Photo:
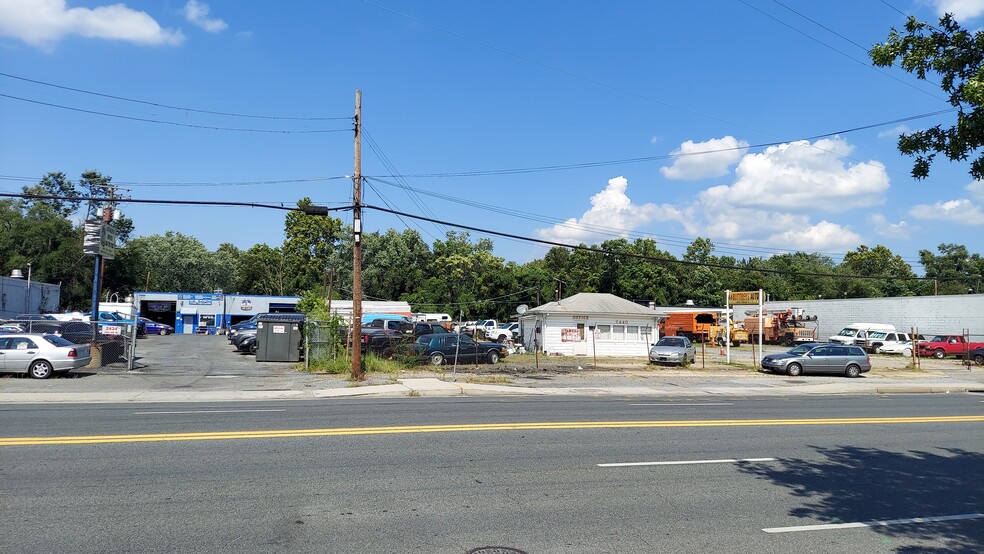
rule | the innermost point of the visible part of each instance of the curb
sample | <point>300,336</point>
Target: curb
<point>922,390</point>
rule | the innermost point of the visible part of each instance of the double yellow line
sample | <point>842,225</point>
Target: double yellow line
<point>342,431</point>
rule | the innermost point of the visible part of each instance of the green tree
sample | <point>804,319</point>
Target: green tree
<point>394,263</point>
<point>955,270</point>
<point>311,247</point>
<point>175,262</point>
<point>53,184</point>
<point>956,55</point>
<point>880,261</point>
<point>262,270</point>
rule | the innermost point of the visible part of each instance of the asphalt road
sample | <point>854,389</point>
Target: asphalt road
<point>364,476</point>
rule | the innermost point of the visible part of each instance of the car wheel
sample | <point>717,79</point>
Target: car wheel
<point>939,353</point>
<point>436,358</point>
<point>907,352</point>
<point>386,354</point>
<point>163,331</point>
<point>979,359</point>
<point>794,369</point>
<point>252,349</point>
<point>853,371</point>
<point>40,369</point>
<point>493,356</point>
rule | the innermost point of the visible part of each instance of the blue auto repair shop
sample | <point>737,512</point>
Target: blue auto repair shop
<point>210,312</point>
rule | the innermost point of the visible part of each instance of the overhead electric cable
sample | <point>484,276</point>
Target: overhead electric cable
<point>564,167</point>
<point>146,120</point>
<point>666,260</point>
<point>169,202</point>
<point>846,55</point>
<point>159,105</point>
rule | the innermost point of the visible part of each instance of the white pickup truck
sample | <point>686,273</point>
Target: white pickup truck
<point>503,332</point>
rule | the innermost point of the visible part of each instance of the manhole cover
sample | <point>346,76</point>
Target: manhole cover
<point>496,550</point>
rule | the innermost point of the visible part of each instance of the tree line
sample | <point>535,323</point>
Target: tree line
<point>456,274</point>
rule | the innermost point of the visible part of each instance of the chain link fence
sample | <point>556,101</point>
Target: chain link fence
<point>324,341</point>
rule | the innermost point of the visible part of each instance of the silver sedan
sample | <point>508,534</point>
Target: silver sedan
<point>41,356</point>
<point>673,350</point>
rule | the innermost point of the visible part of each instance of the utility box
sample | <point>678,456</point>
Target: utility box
<point>279,337</point>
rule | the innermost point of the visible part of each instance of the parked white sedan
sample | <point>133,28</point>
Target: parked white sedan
<point>41,356</point>
<point>904,348</point>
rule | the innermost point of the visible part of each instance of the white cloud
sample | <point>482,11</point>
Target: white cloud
<point>197,14</point>
<point>962,10</point>
<point>894,132</point>
<point>690,164</point>
<point>976,189</point>
<point>798,176</point>
<point>962,212</point>
<point>611,211</point>
<point>42,23</point>
<point>815,238</point>
<point>887,229</point>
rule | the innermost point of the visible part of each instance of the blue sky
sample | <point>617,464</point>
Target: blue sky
<point>464,87</point>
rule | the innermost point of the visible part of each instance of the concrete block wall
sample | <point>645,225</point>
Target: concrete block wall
<point>930,314</point>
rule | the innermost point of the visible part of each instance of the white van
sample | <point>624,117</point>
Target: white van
<point>857,333</point>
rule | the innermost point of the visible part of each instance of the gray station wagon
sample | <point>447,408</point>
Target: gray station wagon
<point>850,361</point>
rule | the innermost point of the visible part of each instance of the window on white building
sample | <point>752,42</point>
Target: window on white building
<point>604,332</point>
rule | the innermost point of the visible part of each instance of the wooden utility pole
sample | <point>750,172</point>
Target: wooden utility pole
<point>357,245</point>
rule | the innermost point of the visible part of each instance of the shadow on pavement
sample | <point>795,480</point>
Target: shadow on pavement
<point>854,484</point>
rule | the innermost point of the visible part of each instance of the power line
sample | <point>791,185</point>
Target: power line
<point>822,43</point>
<point>664,260</point>
<point>583,165</point>
<point>168,202</point>
<point>146,120</point>
<point>384,159</point>
<point>19,178</point>
<point>181,108</point>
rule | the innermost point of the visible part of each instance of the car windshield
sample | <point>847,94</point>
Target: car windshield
<point>848,332</point>
<point>802,349</point>
<point>504,325</point>
<point>938,338</point>
<point>679,342</point>
<point>878,335</point>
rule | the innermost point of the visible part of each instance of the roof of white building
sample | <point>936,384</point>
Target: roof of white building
<point>593,303</point>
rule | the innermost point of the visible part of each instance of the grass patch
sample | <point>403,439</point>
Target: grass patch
<point>414,393</point>
<point>370,364</point>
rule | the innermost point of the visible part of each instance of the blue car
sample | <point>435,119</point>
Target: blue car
<point>155,328</point>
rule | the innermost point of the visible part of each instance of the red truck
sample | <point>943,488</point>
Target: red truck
<point>942,346</point>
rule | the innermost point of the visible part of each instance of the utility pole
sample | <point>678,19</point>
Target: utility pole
<point>357,244</point>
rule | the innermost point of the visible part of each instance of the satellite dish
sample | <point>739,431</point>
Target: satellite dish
<point>521,309</point>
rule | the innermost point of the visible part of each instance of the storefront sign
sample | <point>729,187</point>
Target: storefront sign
<point>246,305</point>
<point>204,299</point>
<point>570,335</point>
<point>750,297</point>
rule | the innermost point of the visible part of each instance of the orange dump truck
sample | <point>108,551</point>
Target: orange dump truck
<point>696,326</point>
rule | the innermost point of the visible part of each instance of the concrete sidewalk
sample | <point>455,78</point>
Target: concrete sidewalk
<point>136,387</point>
